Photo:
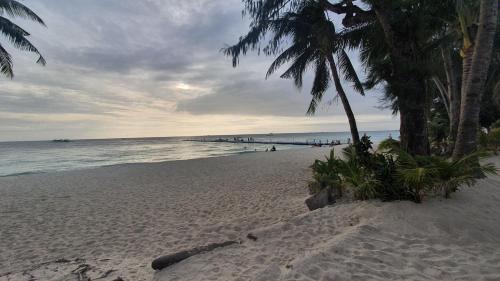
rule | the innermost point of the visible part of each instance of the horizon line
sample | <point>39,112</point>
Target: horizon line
<point>185,136</point>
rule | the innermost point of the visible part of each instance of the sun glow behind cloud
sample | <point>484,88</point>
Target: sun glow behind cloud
<point>153,68</point>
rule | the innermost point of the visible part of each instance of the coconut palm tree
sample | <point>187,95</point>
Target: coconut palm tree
<point>475,71</point>
<point>315,42</point>
<point>15,34</point>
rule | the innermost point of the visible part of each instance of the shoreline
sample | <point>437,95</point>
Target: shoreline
<point>123,216</point>
<point>140,163</point>
<point>22,158</point>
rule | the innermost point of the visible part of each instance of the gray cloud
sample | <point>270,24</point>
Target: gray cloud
<point>242,97</point>
<point>273,97</point>
<point>115,57</point>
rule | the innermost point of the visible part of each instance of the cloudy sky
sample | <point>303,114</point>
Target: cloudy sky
<point>128,68</point>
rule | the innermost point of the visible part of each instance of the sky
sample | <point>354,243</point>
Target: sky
<point>153,68</point>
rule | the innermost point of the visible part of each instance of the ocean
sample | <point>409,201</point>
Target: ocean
<point>30,157</point>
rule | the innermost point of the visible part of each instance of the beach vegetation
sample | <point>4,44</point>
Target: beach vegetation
<point>494,139</point>
<point>451,174</point>
<point>394,174</point>
<point>16,35</point>
<point>326,175</point>
<point>388,144</point>
<point>490,141</point>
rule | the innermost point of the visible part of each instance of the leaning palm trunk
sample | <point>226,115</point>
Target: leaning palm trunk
<point>475,79</point>
<point>344,100</point>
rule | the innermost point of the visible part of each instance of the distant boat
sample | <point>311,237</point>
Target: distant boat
<point>61,140</point>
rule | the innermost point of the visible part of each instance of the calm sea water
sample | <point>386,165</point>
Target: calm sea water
<point>19,158</point>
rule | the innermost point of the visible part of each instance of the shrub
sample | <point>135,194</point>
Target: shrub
<point>494,139</point>
<point>414,174</point>
<point>326,175</point>
<point>395,175</point>
<point>361,152</point>
<point>385,171</point>
<point>450,175</point>
<point>483,140</point>
<point>357,178</point>
<point>388,144</point>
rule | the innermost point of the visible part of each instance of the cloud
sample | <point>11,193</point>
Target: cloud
<point>150,67</point>
<point>273,97</point>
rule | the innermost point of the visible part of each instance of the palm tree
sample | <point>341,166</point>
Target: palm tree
<point>395,46</point>
<point>403,33</point>
<point>475,71</point>
<point>314,41</point>
<point>15,34</point>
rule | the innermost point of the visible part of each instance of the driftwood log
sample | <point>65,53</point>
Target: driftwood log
<point>166,261</point>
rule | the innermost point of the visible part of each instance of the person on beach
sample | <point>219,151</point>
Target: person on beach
<point>273,148</point>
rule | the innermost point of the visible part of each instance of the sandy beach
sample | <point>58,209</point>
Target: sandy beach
<point>113,221</point>
<point>117,219</point>
<point>455,239</point>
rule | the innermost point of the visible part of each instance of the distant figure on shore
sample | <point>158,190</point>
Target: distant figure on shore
<point>273,148</point>
<point>267,149</point>
<point>348,140</point>
<point>390,136</point>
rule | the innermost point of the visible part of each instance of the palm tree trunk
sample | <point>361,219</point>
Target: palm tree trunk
<point>413,115</point>
<point>452,78</point>
<point>473,84</point>
<point>344,100</point>
<point>408,84</point>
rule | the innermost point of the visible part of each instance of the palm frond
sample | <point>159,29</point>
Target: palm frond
<point>16,9</point>
<point>293,51</point>
<point>349,72</point>
<point>298,67</point>
<point>251,41</point>
<point>320,84</point>
<point>6,66</point>
<point>17,36</point>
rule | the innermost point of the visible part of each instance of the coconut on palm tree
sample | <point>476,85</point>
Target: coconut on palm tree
<point>15,34</point>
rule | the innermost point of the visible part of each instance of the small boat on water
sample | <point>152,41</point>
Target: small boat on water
<point>61,140</point>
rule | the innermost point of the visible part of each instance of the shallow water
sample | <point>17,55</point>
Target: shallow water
<point>18,158</point>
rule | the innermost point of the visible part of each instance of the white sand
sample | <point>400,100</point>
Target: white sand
<point>120,218</point>
<point>456,239</point>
